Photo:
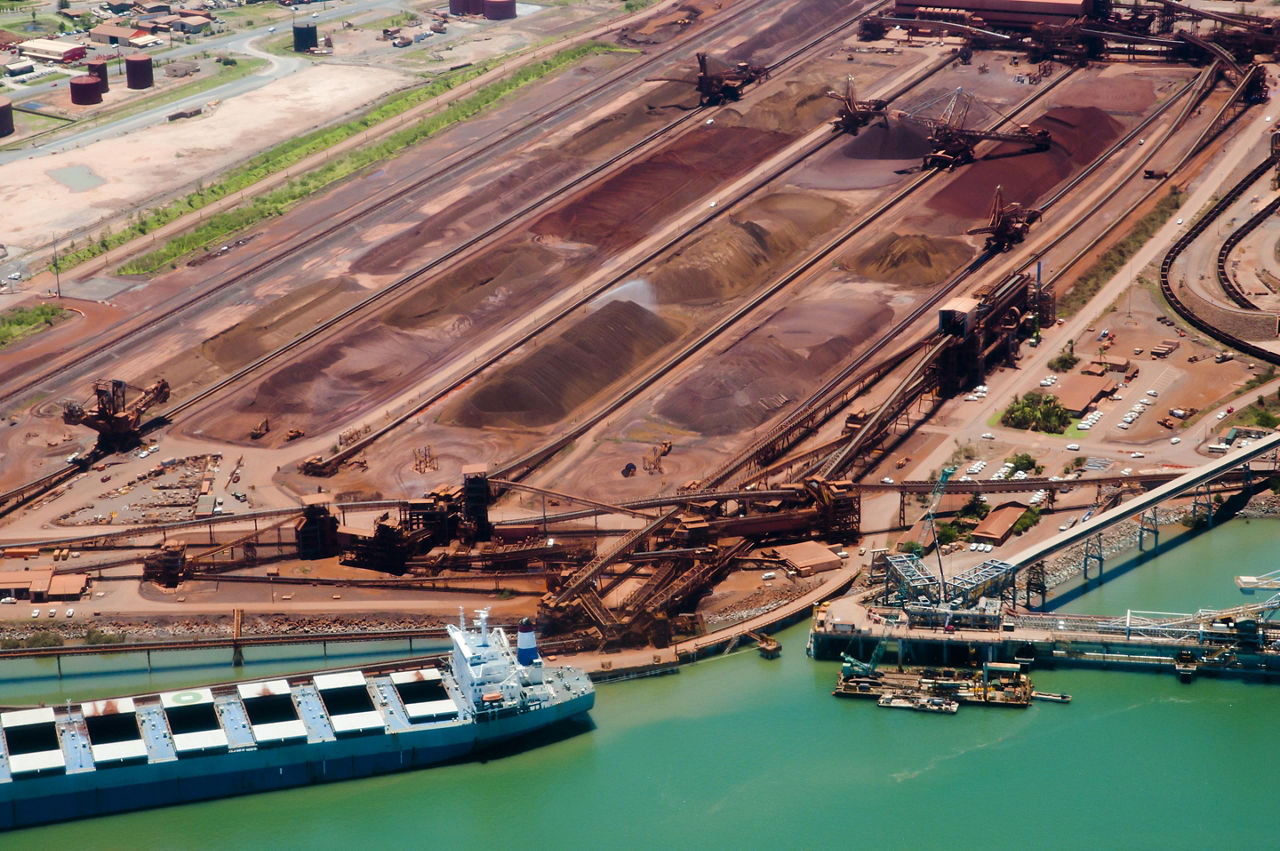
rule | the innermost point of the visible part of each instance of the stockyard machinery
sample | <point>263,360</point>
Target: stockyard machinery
<point>1008,224</point>
<point>953,143</point>
<point>855,114</point>
<point>718,82</point>
<point>114,418</point>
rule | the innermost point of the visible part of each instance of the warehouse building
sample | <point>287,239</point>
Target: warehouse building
<point>1016,14</point>
<point>48,50</point>
<point>997,526</point>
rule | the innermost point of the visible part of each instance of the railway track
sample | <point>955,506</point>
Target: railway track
<point>516,469</point>
<point>798,421</point>
<point>794,423</point>
<point>833,459</point>
<point>1225,280</point>
<point>441,168</point>
<point>1198,227</point>
<point>24,493</point>
<point>460,252</point>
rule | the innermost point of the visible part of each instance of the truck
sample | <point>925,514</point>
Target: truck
<point>1223,357</point>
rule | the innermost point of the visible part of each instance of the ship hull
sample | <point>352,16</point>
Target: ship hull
<point>42,800</point>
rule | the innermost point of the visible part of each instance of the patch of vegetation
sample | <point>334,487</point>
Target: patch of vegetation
<point>975,508</point>
<point>637,5</point>
<point>96,636</point>
<point>1260,379</point>
<point>43,638</point>
<point>1029,518</point>
<point>1076,463</point>
<point>1023,461</point>
<point>1036,412</point>
<point>23,321</point>
<point>1097,275</point>
<point>1066,360</point>
<point>913,548</point>
<point>217,227</point>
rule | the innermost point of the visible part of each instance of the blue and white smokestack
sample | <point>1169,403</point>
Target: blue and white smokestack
<point>526,644</point>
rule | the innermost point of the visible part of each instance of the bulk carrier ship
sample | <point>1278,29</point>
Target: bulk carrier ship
<point>129,753</point>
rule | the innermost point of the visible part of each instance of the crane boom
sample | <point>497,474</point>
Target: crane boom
<point>943,478</point>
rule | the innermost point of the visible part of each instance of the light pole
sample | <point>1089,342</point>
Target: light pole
<point>57,271</point>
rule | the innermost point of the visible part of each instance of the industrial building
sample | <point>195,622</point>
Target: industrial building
<point>1021,14</point>
<point>26,584</point>
<point>808,557</point>
<point>114,34</point>
<point>1077,393</point>
<point>997,526</point>
<point>52,51</point>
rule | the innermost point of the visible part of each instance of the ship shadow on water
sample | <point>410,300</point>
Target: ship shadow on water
<point>561,731</point>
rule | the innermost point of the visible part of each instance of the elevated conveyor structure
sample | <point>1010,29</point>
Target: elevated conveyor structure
<point>995,576</point>
<point>1190,481</point>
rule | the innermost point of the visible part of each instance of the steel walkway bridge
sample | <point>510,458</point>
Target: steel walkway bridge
<point>994,576</point>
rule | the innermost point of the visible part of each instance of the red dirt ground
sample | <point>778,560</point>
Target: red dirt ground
<point>1079,135</point>
<point>617,212</point>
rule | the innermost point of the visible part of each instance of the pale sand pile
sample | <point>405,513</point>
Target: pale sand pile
<point>143,166</point>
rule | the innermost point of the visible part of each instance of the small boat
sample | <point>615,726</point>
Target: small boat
<point>1052,697</point>
<point>919,703</point>
<point>936,704</point>
<point>895,701</point>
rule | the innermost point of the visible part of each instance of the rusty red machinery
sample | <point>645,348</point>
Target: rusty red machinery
<point>718,82</point>
<point>855,114</point>
<point>114,418</point>
<point>1008,224</point>
<point>953,142</point>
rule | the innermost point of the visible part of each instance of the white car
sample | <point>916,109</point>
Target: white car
<point>1222,415</point>
<point>35,613</point>
<point>886,481</point>
<point>1073,447</point>
<point>1175,440</point>
<point>1136,455</point>
<point>70,612</point>
<point>988,436</point>
<point>1084,426</point>
<point>973,547</point>
<point>1153,393</point>
<point>8,601</point>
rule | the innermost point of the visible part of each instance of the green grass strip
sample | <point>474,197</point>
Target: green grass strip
<point>285,155</point>
<point>1110,263</point>
<point>24,321</point>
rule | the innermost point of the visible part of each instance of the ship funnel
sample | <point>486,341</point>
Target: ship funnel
<point>526,644</point>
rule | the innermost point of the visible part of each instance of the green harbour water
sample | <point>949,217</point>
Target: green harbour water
<point>741,752</point>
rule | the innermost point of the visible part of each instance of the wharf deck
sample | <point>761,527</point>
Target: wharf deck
<point>1234,642</point>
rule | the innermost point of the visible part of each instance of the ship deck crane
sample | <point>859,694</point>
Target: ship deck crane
<point>953,142</point>
<point>1008,224</point>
